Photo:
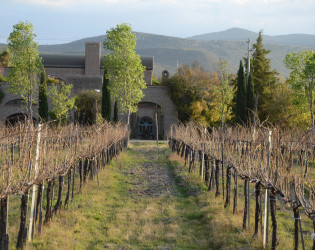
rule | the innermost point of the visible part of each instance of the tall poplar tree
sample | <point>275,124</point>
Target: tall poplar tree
<point>264,78</point>
<point>125,69</point>
<point>25,65</point>
<point>240,105</point>
<point>106,100</point>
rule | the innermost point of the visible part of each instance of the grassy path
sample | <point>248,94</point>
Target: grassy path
<point>145,200</point>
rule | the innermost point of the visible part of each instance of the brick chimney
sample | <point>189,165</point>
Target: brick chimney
<point>92,58</point>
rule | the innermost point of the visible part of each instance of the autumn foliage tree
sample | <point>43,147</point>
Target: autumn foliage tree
<point>198,94</point>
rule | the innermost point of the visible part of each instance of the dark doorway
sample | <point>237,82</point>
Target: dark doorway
<point>146,128</point>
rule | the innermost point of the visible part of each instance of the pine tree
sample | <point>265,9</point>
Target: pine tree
<point>240,106</point>
<point>264,78</point>
<point>116,112</point>
<point>106,100</point>
<point>42,97</point>
<point>250,99</point>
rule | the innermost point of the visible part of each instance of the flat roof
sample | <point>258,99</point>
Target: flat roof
<point>63,60</point>
<point>78,61</point>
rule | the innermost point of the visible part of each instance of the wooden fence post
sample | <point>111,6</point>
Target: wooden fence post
<point>266,218</point>
<point>30,230</point>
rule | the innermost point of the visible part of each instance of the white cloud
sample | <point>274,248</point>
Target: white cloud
<point>91,2</point>
<point>76,2</point>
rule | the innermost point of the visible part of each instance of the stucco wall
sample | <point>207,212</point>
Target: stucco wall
<point>7,110</point>
<point>159,95</point>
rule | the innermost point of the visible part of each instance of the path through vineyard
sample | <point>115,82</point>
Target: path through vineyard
<point>145,199</point>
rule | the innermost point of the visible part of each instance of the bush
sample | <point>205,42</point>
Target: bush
<point>85,105</point>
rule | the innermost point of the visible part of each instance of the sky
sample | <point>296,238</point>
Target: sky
<point>62,21</point>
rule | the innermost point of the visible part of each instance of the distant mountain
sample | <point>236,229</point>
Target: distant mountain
<point>207,49</point>
<point>237,34</point>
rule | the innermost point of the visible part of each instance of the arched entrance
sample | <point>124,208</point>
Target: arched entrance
<point>145,128</point>
<point>12,120</point>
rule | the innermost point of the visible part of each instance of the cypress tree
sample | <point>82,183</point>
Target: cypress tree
<point>264,78</point>
<point>42,97</point>
<point>240,106</point>
<point>250,100</point>
<point>116,112</point>
<point>106,100</point>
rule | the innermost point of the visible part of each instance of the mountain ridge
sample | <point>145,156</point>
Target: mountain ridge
<point>238,34</point>
<point>208,49</point>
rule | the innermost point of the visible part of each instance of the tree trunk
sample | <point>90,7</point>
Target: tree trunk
<point>23,229</point>
<point>245,205</point>
<point>273,207</point>
<point>257,209</point>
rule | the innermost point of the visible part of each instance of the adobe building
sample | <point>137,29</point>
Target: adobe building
<point>156,111</point>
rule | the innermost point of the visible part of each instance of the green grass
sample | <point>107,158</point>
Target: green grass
<point>112,215</point>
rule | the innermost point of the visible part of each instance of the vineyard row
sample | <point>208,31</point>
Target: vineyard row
<point>281,162</point>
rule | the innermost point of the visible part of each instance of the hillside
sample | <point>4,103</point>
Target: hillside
<point>237,34</point>
<point>228,45</point>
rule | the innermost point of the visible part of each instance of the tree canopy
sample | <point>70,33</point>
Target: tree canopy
<point>124,68</point>
<point>25,64</point>
<point>301,79</point>
<point>263,77</point>
<point>198,94</point>
<point>62,103</point>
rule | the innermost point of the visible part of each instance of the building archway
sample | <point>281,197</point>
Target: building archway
<point>12,120</point>
<point>145,128</point>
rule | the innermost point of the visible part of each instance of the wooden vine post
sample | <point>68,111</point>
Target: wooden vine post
<point>35,187</point>
<point>202,160</point>
<point>266,218</point>
<point>156,125</point>
<point>4,236</point>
